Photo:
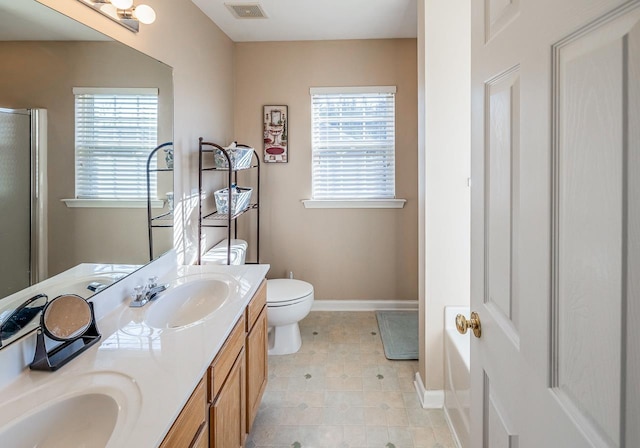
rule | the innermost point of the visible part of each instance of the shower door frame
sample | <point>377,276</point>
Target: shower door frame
<point>39,194</point>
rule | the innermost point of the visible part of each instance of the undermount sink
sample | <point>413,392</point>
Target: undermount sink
<point>190,302</point>
<point>99,411</point>
<point>83,420</point>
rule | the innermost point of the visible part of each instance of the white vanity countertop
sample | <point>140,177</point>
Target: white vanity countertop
<point>156,370</point>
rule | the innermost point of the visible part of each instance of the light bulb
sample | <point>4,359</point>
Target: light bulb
<point>122,4</point>
<point>145,14</point>
<point>109,9</point>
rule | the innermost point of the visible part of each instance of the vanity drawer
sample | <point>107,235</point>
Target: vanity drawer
<point>190,420</point>
<point>257,303</point>
<point>223,362</point>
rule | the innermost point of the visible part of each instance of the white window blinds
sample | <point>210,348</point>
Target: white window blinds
<point>116,129</point>
<point>353,142</point>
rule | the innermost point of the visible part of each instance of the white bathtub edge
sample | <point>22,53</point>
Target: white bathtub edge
<point>456,357</point>
<point>429,399</point>
<point>454,434</point>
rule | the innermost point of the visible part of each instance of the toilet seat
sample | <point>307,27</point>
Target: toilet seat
<point>286,292</point>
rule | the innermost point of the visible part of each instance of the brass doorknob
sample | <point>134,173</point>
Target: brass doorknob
<point>463,324</point>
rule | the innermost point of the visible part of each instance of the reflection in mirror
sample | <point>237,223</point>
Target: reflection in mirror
<point>163,220</point>
<point>16,319</point>
<point>45,56</point>
<point>18,311</point>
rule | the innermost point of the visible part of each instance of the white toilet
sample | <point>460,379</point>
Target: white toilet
<point>288,300</point>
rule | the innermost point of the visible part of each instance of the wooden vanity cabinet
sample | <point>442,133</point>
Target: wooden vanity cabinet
<point>232,389</point>
<point>191,424</point>
<point>227,392</point>
<point>227,415</point>
<point>256,352</point>
<point>202,439</point>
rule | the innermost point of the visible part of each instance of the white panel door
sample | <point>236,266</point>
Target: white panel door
<point>556,223</point>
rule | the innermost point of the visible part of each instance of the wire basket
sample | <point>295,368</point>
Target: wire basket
<point>240,158</point>
<point>240,198</point>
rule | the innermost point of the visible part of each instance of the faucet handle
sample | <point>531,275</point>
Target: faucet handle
<point>140,296</point>
<point>139,291</point>
<point>153,282</point>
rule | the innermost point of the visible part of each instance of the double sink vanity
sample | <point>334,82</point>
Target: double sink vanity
<point>187,369</point>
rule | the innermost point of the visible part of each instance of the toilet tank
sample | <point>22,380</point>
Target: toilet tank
<point>218,253</point>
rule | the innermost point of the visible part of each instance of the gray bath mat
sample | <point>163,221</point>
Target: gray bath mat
<point>399,333</point>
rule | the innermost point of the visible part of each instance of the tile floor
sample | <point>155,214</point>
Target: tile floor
<point>339,391</point>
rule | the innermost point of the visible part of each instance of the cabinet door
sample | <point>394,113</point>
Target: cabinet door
<point>202,439</point>
<point>257,370</point>
<point>191,420</point>
<point>258,302</point>
<point>227,422</point>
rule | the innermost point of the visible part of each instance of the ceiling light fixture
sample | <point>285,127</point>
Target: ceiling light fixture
<point>124,12</point>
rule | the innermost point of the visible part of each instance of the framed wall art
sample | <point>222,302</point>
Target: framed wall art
<point>276,134</point>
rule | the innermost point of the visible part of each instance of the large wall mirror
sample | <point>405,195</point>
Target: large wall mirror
<point>45,55</point>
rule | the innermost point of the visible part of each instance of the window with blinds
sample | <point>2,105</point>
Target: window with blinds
<point>116,129</point>
<point>353,142</point>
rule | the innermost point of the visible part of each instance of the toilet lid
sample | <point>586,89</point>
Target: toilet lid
<point>283,290</point>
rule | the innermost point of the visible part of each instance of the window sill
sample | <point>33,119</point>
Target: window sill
<point>112,203</point>
<point>354,203</point>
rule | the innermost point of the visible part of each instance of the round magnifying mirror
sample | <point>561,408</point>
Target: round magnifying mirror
<point>66,317</point>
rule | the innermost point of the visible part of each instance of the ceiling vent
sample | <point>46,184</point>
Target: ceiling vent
<point>246,10</point>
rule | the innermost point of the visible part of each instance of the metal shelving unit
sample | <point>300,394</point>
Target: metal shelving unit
<point>164,219</point>
<point>215,219</point>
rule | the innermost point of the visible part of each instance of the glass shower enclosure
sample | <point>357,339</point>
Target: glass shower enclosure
<point>22,198</point>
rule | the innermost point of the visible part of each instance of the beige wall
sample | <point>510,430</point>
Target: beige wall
<point>202,59</point>
<point>348,254</point>
<point>43,75</point>
<point>345,254</point>
<point>445,125</point>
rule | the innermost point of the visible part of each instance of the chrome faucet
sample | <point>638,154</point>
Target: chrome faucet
<point>96,287</point>
<point>145,294</point>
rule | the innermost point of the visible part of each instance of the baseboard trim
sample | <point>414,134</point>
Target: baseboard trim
<point>429,399</point>
<point>364,305</point>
